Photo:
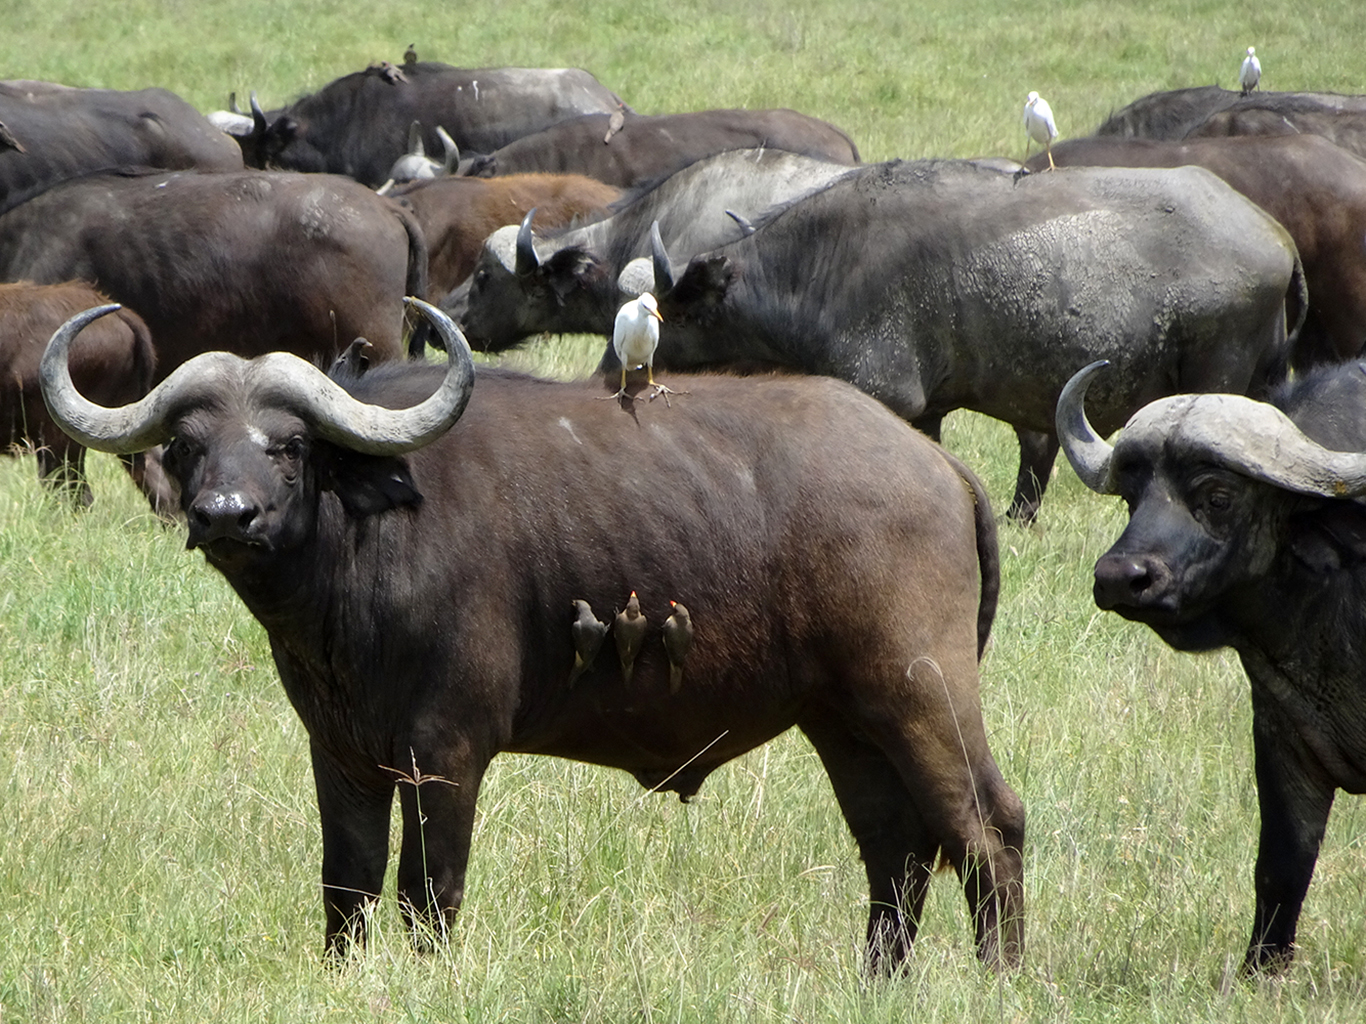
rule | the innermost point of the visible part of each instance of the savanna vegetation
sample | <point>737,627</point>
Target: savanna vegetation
<point>159,847</point>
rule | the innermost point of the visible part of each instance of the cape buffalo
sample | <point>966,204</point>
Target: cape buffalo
<point>942,285</point>
<point>1180,113</point>
<point>457,214</point>
<point>839,568</point>
<point>1315,189</point>
<point>566,281</point>
<point>648,148</point>
<point>1247,529</point>
<point>112,364</point>
<point>58,132</point>
<point>247,262</point>
<point>358,125</point>
<point>1340,119</point>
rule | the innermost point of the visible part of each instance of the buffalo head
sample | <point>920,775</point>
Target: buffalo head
<point>253,443</point>
<point>513,293</point>
<point>1213,483</point>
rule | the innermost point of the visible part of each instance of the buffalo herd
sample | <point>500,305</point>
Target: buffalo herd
<point>425,544</point>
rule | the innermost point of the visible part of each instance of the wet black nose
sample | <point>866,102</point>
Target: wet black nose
<point>1131,580</point>
<point>221,514</point>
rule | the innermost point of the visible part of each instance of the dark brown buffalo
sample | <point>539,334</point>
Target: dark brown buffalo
<point>1178,113</point>
<point>246,262</point>
<point>652,147</point>
<point>358,125</point>
<point>841,572</point>
<point>62,132</point>
<point>1247,529</point>
<point>112,365</point>
<point>457,214</point>
<point>1315,189</point>
<point>1340,119</point>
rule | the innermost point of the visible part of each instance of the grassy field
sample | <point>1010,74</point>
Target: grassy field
<point>160,844</point>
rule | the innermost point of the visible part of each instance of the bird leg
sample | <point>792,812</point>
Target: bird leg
<point>1049,150</point>
<point>660,389</point>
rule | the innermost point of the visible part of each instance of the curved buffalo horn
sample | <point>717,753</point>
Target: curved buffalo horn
<point>1088,453</point>
<point>527,260</point>
<point>258,116</point>
<point>373,429</point>
<point>129,428</point>
<point>279,377</point>
<point>1238,433</point>
<point>232,104</point>
<point>452,158</point>
<point>664,271</point>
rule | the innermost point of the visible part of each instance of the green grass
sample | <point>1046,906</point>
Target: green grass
<point>160,852</point>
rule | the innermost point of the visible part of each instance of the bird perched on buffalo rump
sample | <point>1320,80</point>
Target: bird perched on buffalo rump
<point>588,632</point>
<point>615,122</point>
<point>1251,71</point>
<point>1040,126</point>
<point>410,54</point>
<point>629,630</point>
<point>677,642</point>
<point>635,336</point>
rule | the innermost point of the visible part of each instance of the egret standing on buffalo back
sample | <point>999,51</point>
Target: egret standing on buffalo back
<point>1039,126</point>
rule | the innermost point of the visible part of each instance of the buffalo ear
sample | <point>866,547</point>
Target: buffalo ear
<point>703,284</point>
<point>1333,534</point>
<point>570,269</point>
<point>368,484</point>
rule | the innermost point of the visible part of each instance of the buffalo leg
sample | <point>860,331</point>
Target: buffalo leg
<point>438,822</point>
<point>63,470</point>
<point>897,851</point>
<point>940,750</point>
<point>355,823</point>
<point>1037,453</point>
<point>1294,808</point>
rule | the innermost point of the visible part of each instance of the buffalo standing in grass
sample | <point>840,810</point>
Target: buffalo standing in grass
<point>57,132</point>
<point>1316,190</point>
<point>1247,529</point>
<point>247,262</point>
<point>418,593</point>
<point>1209,110</point>
<point>567,281</point>
<point>113,364</point>
<point>358,125</point>
<point>457,214</point>
<point>649,148</point>
<point>944,285</point>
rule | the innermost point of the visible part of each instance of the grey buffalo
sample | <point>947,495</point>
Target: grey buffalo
<point>55,132</point>
<point>1316,190</point>
<point>566,281</point>
<point>943,285</point>
<point>416,571</point>
<point>1247,529</point>
<point>358,125</point>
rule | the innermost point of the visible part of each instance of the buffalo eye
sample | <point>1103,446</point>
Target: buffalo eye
<point>180,452</point>
<point>290,455</point>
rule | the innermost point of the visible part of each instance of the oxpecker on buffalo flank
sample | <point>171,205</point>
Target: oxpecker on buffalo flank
<point>629,629</point>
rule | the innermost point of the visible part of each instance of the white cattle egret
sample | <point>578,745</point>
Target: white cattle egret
<point>1039,126</point>
<point>1251,71</point>
<point>635,336</point>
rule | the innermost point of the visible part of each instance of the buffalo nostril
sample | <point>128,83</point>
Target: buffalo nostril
<point>1125,580</point>
<point>219,513</point>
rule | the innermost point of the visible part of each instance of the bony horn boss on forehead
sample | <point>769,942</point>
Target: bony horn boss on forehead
<point>1249,437</point>
<point>277,378</point>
